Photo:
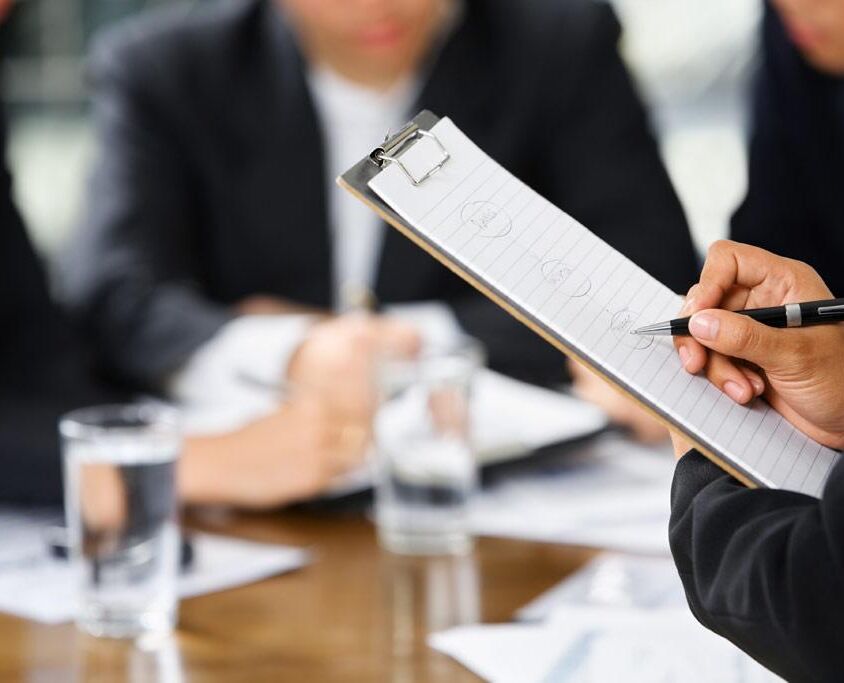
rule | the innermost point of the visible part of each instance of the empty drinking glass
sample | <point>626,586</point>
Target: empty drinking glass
<point>120,504</point>
<point>426,470</point>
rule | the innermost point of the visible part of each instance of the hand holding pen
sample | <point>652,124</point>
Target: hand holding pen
<point>796,369</point>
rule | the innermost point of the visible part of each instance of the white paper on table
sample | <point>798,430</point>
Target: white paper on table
<point>35,586</point>
<point>597,645</point>
<point>611,494</point>
<point>611,580</point>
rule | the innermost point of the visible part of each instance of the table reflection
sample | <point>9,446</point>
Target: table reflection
<point>147,660</point>
<point>423,595</point>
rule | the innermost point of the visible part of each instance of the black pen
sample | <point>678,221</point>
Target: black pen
<point>791,315</point>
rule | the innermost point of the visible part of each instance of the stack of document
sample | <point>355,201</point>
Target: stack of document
<point>610,493</point>
<point>621,618</point>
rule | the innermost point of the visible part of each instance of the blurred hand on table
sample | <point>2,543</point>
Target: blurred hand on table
<point>290,455</point>
<point>322,429</point>
<point>336,362</point>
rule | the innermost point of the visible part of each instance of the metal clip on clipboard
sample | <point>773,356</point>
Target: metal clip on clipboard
<point>393,146</point>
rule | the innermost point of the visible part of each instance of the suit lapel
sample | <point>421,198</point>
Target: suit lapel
<point>297,149</point>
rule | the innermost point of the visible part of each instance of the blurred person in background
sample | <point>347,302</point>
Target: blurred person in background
<point>217,251</point>
<point>46,371</point>
<point>795,204</point>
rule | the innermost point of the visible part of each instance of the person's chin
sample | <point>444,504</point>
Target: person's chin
<point>828,62</point>
<point>816,48</point>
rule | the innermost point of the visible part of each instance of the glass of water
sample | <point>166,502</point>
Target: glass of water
<point>120,504</point>
<point>426,470</point>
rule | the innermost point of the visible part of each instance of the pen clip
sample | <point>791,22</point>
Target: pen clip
<point>831,310</point>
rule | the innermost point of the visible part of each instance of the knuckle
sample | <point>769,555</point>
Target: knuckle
<point>719,247</point>
<point>808,273</point>
<point>798,271</point>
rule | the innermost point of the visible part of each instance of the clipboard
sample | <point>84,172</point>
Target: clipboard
<point>356,180</point>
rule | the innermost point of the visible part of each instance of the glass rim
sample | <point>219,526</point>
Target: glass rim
<point>150,418</point>
<point>465,346</point>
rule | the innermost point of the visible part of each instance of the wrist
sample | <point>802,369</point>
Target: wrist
<point>201,468</point>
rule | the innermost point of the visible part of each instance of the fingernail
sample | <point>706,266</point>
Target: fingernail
<point>704,326</point>
<point>734,391</point>
<point>684,356</point>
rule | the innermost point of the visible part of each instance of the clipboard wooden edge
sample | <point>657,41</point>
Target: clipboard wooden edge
<point>355,181</point>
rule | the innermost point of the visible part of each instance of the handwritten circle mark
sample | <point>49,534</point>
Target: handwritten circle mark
<point>489,220</point>
<point>625,321</point>
<point>571,281</point>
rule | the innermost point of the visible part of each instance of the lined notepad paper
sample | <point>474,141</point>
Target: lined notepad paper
<point>588,297</point>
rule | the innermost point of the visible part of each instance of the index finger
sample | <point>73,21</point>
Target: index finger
<point>731,270</point>
<point>730,265</point>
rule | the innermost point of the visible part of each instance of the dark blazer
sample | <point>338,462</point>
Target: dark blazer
<point>43,369</point>
<point>210,185</point>
<point>764,568</point>
<point>795,202</point>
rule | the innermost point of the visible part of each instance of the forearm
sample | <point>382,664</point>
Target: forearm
<point>203,473</point>
<point>275,460</point>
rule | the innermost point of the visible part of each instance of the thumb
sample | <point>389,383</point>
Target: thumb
<point>738,336</point>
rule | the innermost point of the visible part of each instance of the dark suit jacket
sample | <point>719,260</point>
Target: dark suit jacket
<point>795,203</point>
<point>210,185</point>
<point>764,568</point>
<point>43,369</point>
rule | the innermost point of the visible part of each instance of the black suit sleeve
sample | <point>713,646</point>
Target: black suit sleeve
<point>601,165</point>
<point>763,568</point>
<point>54,379</point>
<point>30,456</point>
<point>29,452</point>
<point>43,370</point>
<point>130,276</point>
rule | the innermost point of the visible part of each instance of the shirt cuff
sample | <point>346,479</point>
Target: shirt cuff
<point>248,356</point>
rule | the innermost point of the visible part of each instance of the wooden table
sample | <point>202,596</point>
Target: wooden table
<point>355,614</point>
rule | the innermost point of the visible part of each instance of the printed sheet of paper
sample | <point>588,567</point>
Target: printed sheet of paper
<point>588,297</point>
<point>596,645</point>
